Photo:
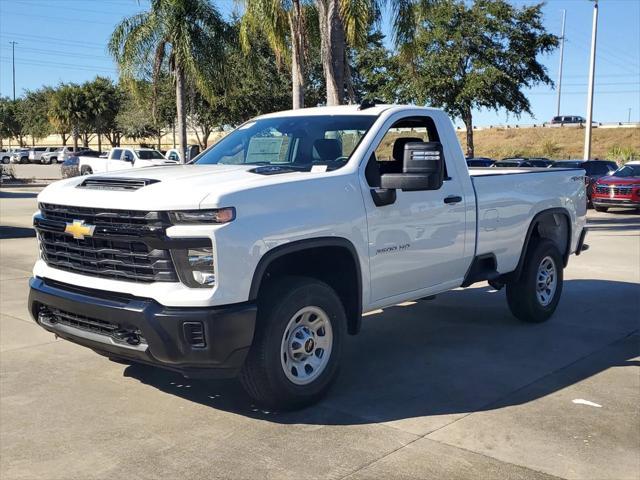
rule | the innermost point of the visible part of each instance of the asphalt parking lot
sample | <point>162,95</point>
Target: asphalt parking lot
<point>453,388</point>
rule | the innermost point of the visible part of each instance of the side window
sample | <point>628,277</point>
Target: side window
<point>600,169</point>
<point>116,154</point>
<point>127,155</point>
<point>388,155</point>
<point>173,156</point>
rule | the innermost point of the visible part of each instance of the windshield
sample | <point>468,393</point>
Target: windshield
<point>149,155</point>
<point>300,143</point>
<point>567,165</point>
<point>628,171</point>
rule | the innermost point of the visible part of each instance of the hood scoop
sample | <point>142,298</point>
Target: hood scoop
<point>115,183</point>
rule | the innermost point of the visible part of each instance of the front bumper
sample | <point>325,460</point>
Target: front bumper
<point>615,202</point>
<point>209,342</point>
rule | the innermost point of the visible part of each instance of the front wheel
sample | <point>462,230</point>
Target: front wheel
<point>86,171</point>
<point>535,295</point>
<point>297,345</point>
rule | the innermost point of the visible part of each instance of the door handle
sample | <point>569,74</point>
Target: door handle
<point>453,199</point>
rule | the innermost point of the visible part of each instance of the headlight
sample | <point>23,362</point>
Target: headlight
<point>195,266</point>
<point>216,215</point>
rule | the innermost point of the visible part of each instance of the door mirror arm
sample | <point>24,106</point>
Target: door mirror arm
<point>383,196</point>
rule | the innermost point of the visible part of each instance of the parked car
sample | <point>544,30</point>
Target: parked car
<point>122,159</point>
<point>621,189</point>
<point>594,170</point>
<point>5,154</point>
<point>480,162</point>
<point>20,155</point>
<point>69,167</point>
<point>521,162</point>
<point>35,153</point>
<point>258,259</point>
<point>173,153</point>
<point>512,163</point>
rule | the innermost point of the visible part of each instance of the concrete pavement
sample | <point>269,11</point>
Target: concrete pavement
<point>450,388</point>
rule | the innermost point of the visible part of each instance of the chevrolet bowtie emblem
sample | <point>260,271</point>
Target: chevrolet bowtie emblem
<point>79,230</point>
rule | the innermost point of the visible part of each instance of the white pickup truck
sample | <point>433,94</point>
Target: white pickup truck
<point>122,159</point>
<point>260,257</point>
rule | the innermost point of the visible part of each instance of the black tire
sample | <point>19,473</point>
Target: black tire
<point>24,160</point>
<point>522,295</point>
<point>86,171</point>
<point>601,209</point>
<point>263,375</point>
<point>5,160</point>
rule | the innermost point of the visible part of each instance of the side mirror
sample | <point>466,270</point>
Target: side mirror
<point>423,168</point>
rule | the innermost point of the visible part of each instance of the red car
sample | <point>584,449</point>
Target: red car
<point>620,190</point>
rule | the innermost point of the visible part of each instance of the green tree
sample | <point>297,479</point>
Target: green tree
<point>10,124</point>
<point>187,36</point>
<point>33,114</point>
<point>464,56</point>
<point>68,111</point>
<point>284,24</point>
<point>346,23</point>
<point>134,119</point>
<point>375,72</point>
<point>103,100</point>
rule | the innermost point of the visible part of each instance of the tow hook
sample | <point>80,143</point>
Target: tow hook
<point>131,338</point>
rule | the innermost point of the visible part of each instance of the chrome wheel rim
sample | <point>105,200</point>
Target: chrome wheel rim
<point>306,345</point>
<point>546,281</point>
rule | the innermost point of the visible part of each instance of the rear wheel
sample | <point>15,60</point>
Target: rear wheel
<point>602,209</point>
<point>535,295</point>
<point>296,349</point>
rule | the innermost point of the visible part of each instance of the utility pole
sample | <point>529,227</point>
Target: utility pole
<point>629,116</point>
<point>592,72</point>
<point>13,61</point>
<point>564,14</point>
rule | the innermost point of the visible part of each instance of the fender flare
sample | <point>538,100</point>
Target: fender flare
<point>307,244</point>
<point>532,226</point>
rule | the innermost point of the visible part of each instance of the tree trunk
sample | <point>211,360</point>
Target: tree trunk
<point>75,139</point>
<point>468,123</point>
<point>99,141</point>
<point>297,54</point>
<point>332,48</point>
<point>181,114</point>
<point>64,137</point>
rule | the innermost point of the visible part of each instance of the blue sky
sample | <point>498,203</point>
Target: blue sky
<point>64,41</point>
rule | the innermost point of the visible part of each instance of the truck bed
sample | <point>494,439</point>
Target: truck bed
<point>507,200</point>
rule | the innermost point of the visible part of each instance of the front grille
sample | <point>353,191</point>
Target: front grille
<point>607,190</point>
<point>121,247</point>
<point>53,316</point>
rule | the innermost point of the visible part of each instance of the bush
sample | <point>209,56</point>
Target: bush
<point>622,155</point>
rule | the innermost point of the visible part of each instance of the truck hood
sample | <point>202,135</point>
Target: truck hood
<point>613,180</point>
<point>173,187</point>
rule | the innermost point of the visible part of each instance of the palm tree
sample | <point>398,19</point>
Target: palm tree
<point>283,24</point>
<point>68,110</point>
<point>347,22</point>
<point>187,36</point>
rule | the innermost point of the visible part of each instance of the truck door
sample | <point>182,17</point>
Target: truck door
<point>416,242</point>
<point>122,161</point>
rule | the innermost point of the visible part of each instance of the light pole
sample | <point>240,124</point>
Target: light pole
<point>592,71</point>
<point>629,116</point>
<point>564,14</point>
<point>13,62</point>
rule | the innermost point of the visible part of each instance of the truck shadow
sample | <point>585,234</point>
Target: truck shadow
<point>460,353</point>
